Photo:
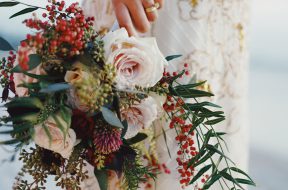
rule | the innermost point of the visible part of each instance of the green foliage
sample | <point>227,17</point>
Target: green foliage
<point>24,11</point>
<point>56,87</point>
<point>34,61</point>
<point>102,178</point>
<point>203,116</point>
<point>111,118</point>
<point>138,138</point>
<point>135,173</point>
<point>8,4</point>
<point>4,45</point>
<point>171,57</point>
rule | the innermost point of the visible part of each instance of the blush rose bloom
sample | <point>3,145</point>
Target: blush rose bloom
<point>140,116</point>
<point>59,143</point>
<point>76,76</point>
<point>138,61</point>
<point>20,78</point>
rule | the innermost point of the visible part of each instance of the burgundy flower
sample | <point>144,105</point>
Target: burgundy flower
<point>107,140</point>
<point>82,125</point>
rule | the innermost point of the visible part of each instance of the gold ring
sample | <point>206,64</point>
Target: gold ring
<point>155,7</point>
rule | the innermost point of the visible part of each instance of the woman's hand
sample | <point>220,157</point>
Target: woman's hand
<point>136,15</point>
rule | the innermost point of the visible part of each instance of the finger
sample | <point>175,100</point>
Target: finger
<point>161,3</point>
<point>124,18</point>
<point>138,16</point>
<point>151,15</point>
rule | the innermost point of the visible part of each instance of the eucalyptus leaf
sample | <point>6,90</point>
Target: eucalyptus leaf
<point>165,139</point>
<point>124,130</point>
<point>136,139</point>
<point>24,11</point>
<point>29,102</point>
<point>111,118</point>
<point>56,87</point>
<point>8,4</point>
<point>4,45</point>
<point>102,178</point>
<point>34,61</point>
<point>171,57</point>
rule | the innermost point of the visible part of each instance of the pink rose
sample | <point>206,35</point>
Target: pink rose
<point>138,61</point>
<point>140,116</point>
<point>60,143</point>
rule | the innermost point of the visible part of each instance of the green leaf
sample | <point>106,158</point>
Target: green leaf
<point>47,133</point>
<point>63,129</point>
<point>200,173</point>
<point>245,181</point>
<point>202,104</point>
<point>193,161</point>
<point>190,93</point>
<point>138,138</point>
<point>18,129</point>
<point>56,87</point>
<point>111,118</point>
<point>29,102</point>
<point>24,11</point>
<point>214,121</point>
<point>34,61</point>
<point>102,178</point>
<point>15,141</point>
<point>124,130</point>
<point>171,57</point>
<point>172,79</point>
<point>215,149</point>
<point>29,117</point>
<point>210,182</point>
<point>188,86</point>
<point>212,114</point>
<point>4,45</point>
<point>8,4</point>
<point>66,114</point>
<point>241,172</point>
<point>204,158</point>
<point>165,138</point>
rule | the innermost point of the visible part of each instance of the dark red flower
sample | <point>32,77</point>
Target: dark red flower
<point>83,125</point>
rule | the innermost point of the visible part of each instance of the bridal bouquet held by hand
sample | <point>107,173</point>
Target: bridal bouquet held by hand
<point>83,105</point>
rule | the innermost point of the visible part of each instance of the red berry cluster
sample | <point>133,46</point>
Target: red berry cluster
<point>157,168</point>
<point>5,69</point>
<point>63,33</point>
<point>186,72</point>
<point>185,139</point>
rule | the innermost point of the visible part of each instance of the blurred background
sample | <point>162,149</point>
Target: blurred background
<point>268,92</point>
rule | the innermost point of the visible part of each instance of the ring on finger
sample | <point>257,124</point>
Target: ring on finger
<point>153,8</point>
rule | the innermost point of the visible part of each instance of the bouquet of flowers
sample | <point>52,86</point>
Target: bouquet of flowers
<point>88,99</point>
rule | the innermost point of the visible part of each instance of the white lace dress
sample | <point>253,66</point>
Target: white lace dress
<point>211,36</point>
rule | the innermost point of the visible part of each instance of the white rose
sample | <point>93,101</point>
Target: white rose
<point>139,116</point>
<point>58,143</point>
<point>138,61</point>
